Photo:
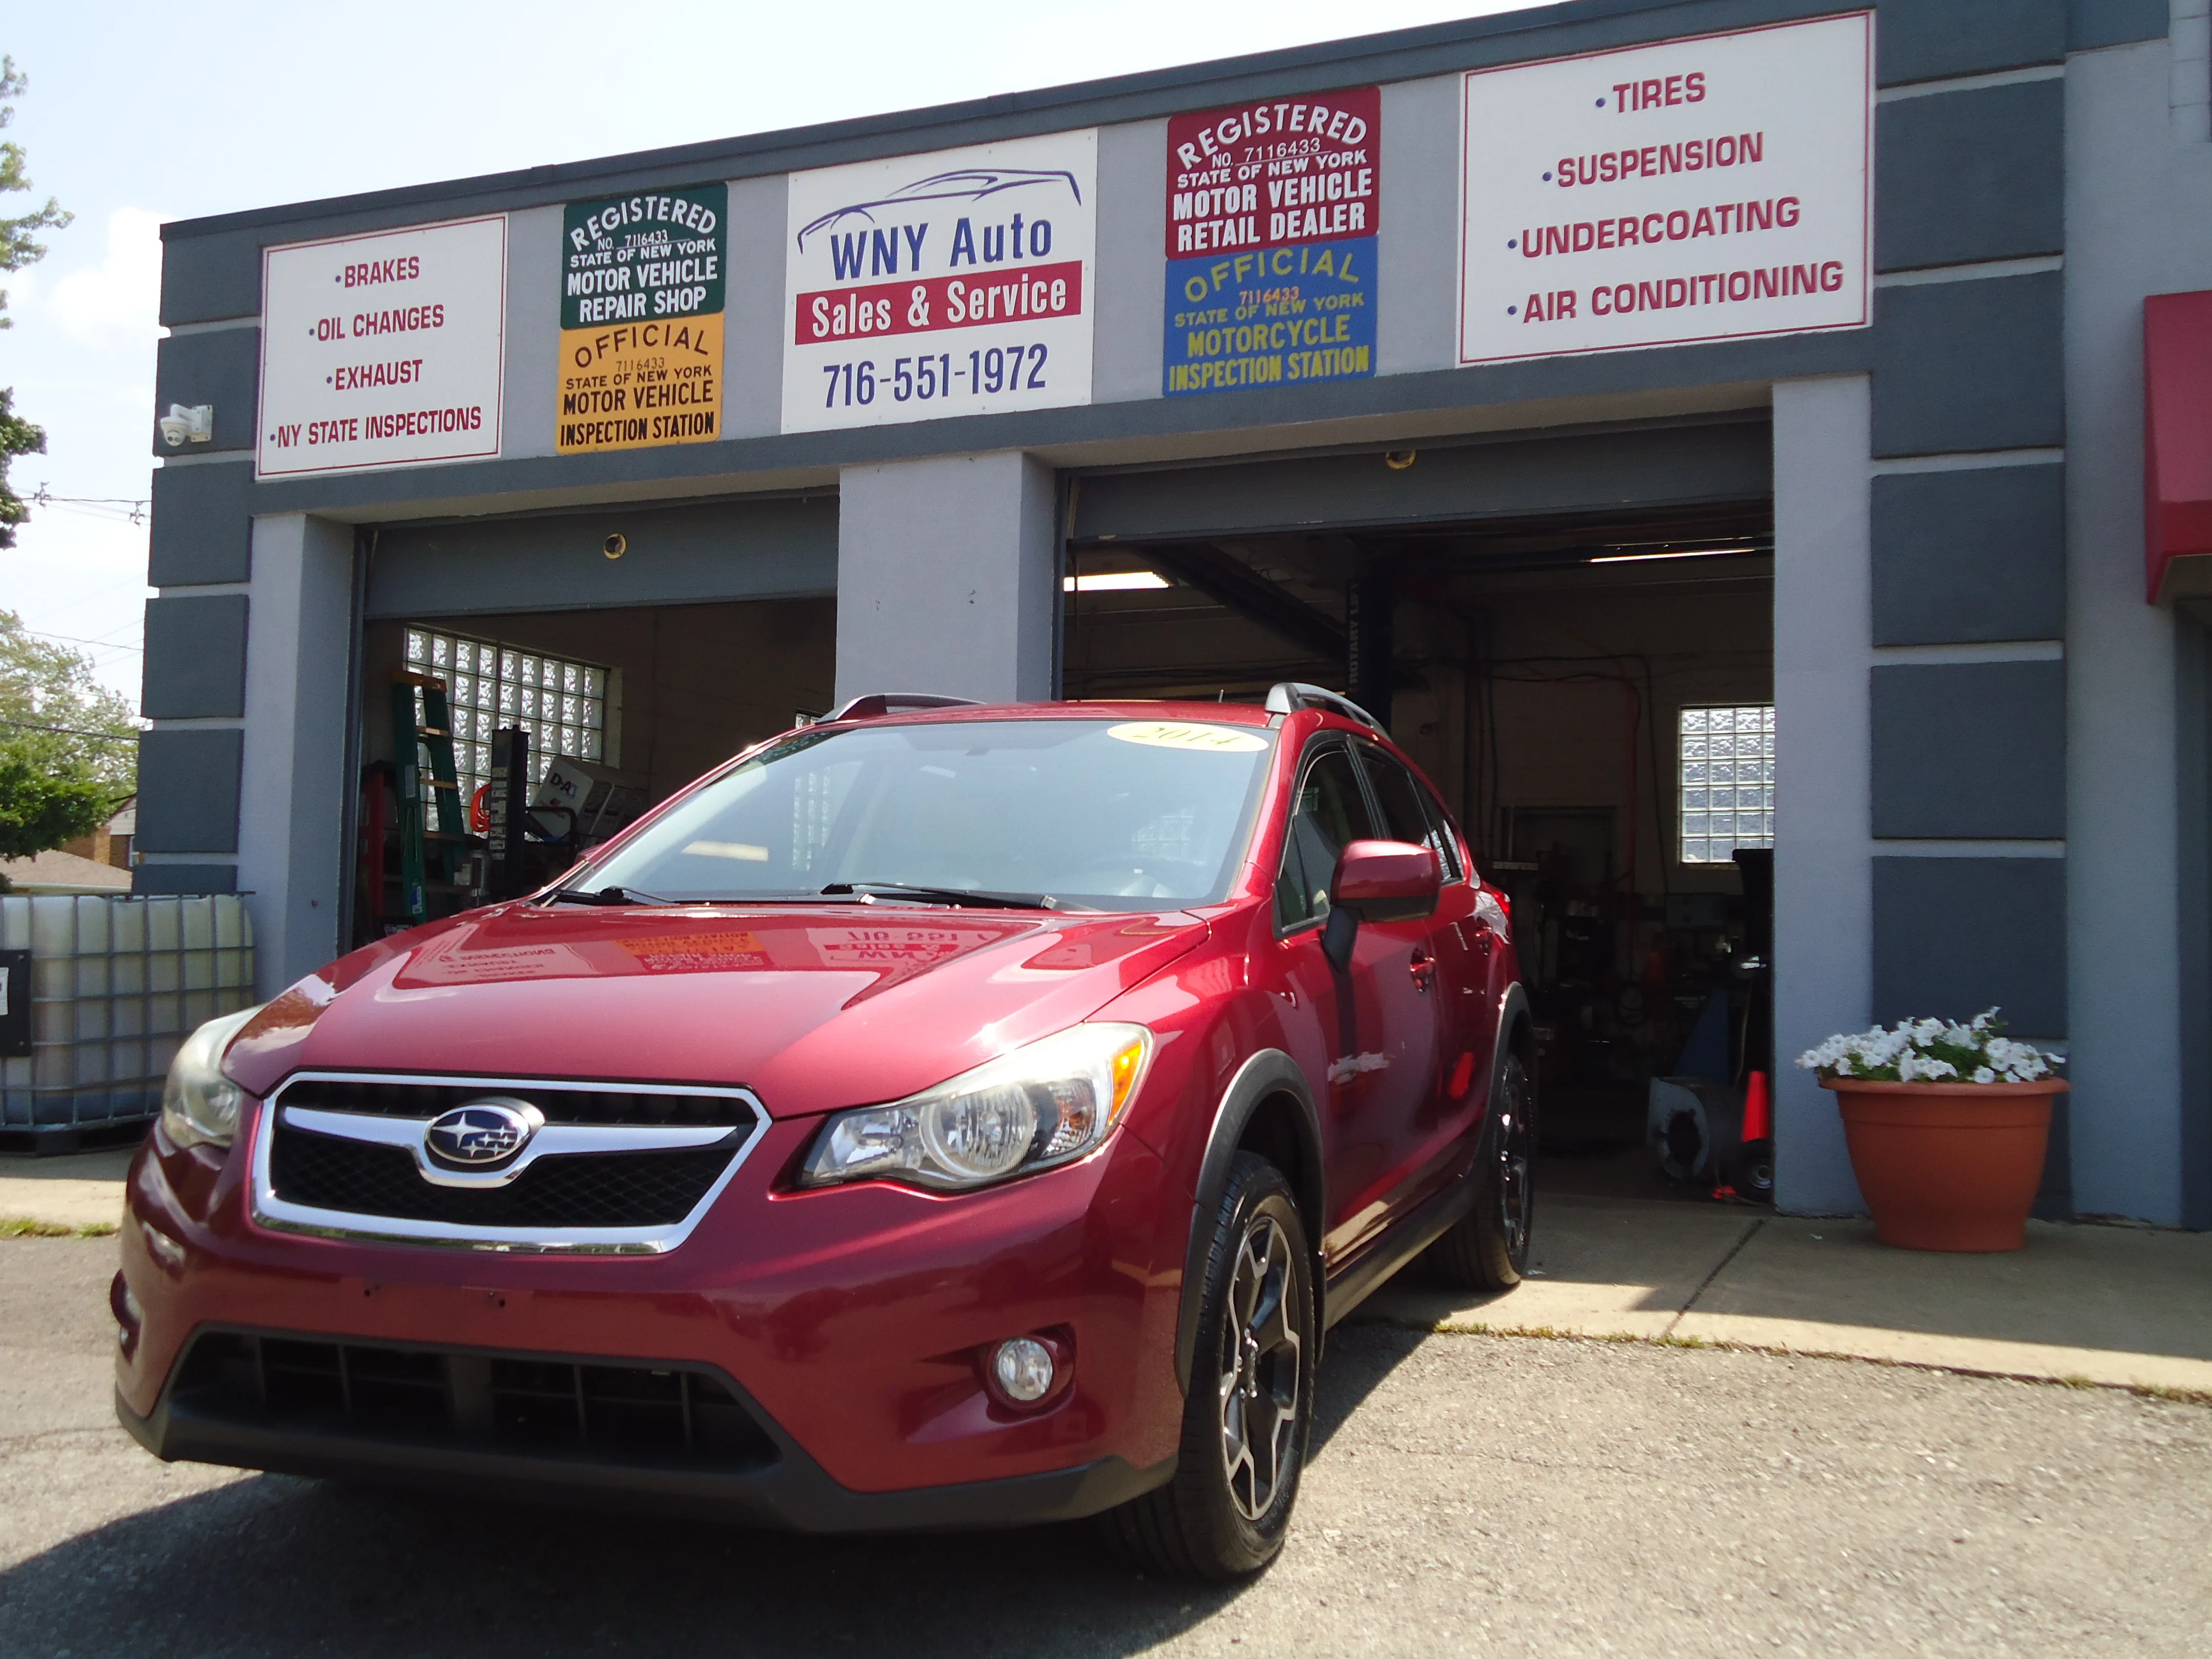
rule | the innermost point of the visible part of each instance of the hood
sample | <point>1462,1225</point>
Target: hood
<point>813,1009</point>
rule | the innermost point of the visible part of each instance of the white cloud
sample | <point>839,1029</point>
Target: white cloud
<point>115,303</point>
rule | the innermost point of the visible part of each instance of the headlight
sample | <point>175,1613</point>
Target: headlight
<point>200,1104</point>
<point>1043,1104</point>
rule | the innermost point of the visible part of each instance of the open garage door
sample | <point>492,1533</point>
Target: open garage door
<point>1578,647</point>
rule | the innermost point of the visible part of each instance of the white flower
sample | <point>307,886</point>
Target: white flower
<point>1983,1074</point>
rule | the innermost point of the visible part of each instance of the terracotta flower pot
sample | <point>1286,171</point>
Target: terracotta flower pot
<point>1947,1166</point>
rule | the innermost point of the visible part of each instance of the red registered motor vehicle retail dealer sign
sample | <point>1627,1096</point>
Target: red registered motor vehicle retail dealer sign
<point>1273,208</point>
<point>1700,190</point>
<point>953,283</point>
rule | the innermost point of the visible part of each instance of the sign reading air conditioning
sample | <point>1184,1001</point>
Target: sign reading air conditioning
<point>1700,190</point>
<point>1272,210</point>
<point>641,287</point>
<point>383,351</point>
<point>953,283</point>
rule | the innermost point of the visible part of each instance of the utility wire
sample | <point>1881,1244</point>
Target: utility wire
<point>70,732</point>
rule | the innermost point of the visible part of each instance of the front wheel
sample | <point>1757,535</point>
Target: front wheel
<point>1249,1408</point>
<point>1488,1250</point>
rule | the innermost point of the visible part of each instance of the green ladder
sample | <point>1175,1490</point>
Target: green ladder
<point>411,740</point>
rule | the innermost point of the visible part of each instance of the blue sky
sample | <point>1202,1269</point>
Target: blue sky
<point>138,113</point>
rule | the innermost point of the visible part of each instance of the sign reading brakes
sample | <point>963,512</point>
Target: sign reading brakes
<point>641,288</point>
<point>1272,209</point>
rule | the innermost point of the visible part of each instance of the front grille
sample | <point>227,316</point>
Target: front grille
<point>583,1408</point>
<point>567,1189</point>
<point>399,1096</point>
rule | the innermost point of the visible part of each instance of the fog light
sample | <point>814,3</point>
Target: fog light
<point>1023,1369</point>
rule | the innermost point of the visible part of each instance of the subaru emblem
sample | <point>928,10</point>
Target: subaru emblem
<point>483,1131</point>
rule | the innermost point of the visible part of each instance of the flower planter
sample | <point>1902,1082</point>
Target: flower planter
<point>1947,1166</point>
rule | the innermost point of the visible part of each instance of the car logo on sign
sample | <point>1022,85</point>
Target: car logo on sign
<point>483,1131</point>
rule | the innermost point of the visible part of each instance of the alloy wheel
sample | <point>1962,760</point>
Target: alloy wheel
<point>1260,1356</point>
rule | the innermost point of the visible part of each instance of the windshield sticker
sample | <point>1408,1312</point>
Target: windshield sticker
<point>1181,735</point>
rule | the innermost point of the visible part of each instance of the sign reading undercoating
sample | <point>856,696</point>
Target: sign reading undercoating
<point>953,283</point>
<point>1273,211</point>
<point>387,350</point>
<point>642,291</point>
<point>1696,190</point>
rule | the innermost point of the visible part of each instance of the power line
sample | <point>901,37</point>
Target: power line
<point>71,731</point>
<point>133,509</point>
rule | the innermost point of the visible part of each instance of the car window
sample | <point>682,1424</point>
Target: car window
<point>1113,814</point>
<point>1409,814</point>
<point>1329,812</point>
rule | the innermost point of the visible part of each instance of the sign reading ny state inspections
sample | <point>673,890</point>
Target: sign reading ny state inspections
<point>382,351</point>
<point>641,281</point>
<point>1272,209</point>
<point>953,283</point>
<point>1701,190</point>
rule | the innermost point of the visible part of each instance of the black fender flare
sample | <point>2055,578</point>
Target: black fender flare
<point>1265,1075</point>
<point>1512,1008</point>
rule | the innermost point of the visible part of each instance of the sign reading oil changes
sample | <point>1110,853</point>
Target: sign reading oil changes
<point>641,280</point>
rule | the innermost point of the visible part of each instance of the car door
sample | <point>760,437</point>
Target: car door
<point>1378,1028</point>
<point>1450,957</point>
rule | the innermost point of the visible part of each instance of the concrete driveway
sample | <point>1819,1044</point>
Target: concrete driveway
<point>1470,1493</point>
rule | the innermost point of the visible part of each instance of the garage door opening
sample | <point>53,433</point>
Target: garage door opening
<point>1592,692</point>
<point>614,710</point>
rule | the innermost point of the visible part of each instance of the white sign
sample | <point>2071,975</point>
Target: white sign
<point>1700,190</point>
<point>953,283</point>
<point>383,351</point>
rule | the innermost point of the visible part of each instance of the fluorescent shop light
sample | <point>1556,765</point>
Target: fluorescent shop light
<point>1701,553</point>
<point>1112,581</point>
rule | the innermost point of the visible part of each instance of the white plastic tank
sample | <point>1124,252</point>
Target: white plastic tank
<point>116,983</point>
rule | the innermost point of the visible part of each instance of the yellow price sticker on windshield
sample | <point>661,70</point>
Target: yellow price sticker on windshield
<point>1182,734</point>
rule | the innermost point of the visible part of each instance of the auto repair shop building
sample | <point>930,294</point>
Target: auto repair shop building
<point>1692,427</point>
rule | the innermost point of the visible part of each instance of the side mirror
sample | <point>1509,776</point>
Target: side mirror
<point>1379,881</point>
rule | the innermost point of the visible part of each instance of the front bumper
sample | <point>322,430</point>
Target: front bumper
<point>849,1321</point>
<point>771,1483</point>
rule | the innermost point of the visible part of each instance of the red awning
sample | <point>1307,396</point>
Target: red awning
<point>2177,440</point>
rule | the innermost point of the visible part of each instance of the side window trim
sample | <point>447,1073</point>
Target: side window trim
<point>1440,826</point>
<point>1320,744</point>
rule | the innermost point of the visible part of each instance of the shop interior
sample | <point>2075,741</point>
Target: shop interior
<point>1575,687</point>
<point>618,708</point>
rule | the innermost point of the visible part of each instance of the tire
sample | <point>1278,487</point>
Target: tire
<point>1249,1413</point>
<point>1488,1249</point>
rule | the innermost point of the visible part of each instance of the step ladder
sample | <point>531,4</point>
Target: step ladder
<point>421,848</point>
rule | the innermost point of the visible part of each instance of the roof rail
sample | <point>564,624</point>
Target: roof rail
<point>876,704</point>
<point>1288,697</point>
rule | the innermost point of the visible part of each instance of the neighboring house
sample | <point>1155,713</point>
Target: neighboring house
<point>64,871</point>
<point>109,844</point>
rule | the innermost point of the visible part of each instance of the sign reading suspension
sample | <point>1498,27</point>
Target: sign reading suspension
<point>953,283</point>
<point>382,351</point>
<point>1700,190</point>
<point>641,288</point>
<point>1272,209</point>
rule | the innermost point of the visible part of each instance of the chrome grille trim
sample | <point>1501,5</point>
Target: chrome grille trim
<point>282,1216</point>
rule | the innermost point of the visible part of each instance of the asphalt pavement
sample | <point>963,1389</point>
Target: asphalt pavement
<point>1510,1495</point>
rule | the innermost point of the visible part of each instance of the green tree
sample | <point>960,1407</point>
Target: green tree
<point>19,246</point>
<point>68,744</point>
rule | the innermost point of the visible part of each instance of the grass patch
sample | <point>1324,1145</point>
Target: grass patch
<point>2171,1394</point>
<point>23,1226</point>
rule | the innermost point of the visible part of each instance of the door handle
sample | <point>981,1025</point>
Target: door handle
<point>1424,968</point>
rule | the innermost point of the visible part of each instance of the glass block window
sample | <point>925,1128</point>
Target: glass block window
<point>1727,778</point>
<point>561,705</point>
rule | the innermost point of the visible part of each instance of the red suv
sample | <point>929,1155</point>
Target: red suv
<point>940,1115</point>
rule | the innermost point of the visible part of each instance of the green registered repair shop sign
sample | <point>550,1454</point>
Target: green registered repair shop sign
<point>641,283</point>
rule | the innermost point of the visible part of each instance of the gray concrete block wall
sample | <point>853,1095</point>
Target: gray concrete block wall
<point>1969,750</point>
<point>221,367</point>
<point>195,656</point>
<point>202,528</point>
<point>1970,555</point>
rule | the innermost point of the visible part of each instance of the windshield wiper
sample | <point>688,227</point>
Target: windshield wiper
<point>969,897</point>
<point>605,896</point>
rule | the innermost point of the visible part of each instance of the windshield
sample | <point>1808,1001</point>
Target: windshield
<point>1110,815</point>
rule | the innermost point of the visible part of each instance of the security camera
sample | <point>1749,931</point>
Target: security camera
<point>196,423</point>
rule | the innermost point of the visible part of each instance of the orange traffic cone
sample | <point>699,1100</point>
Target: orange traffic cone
<point>1755,1172</point>
<point>1758,1110</point>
